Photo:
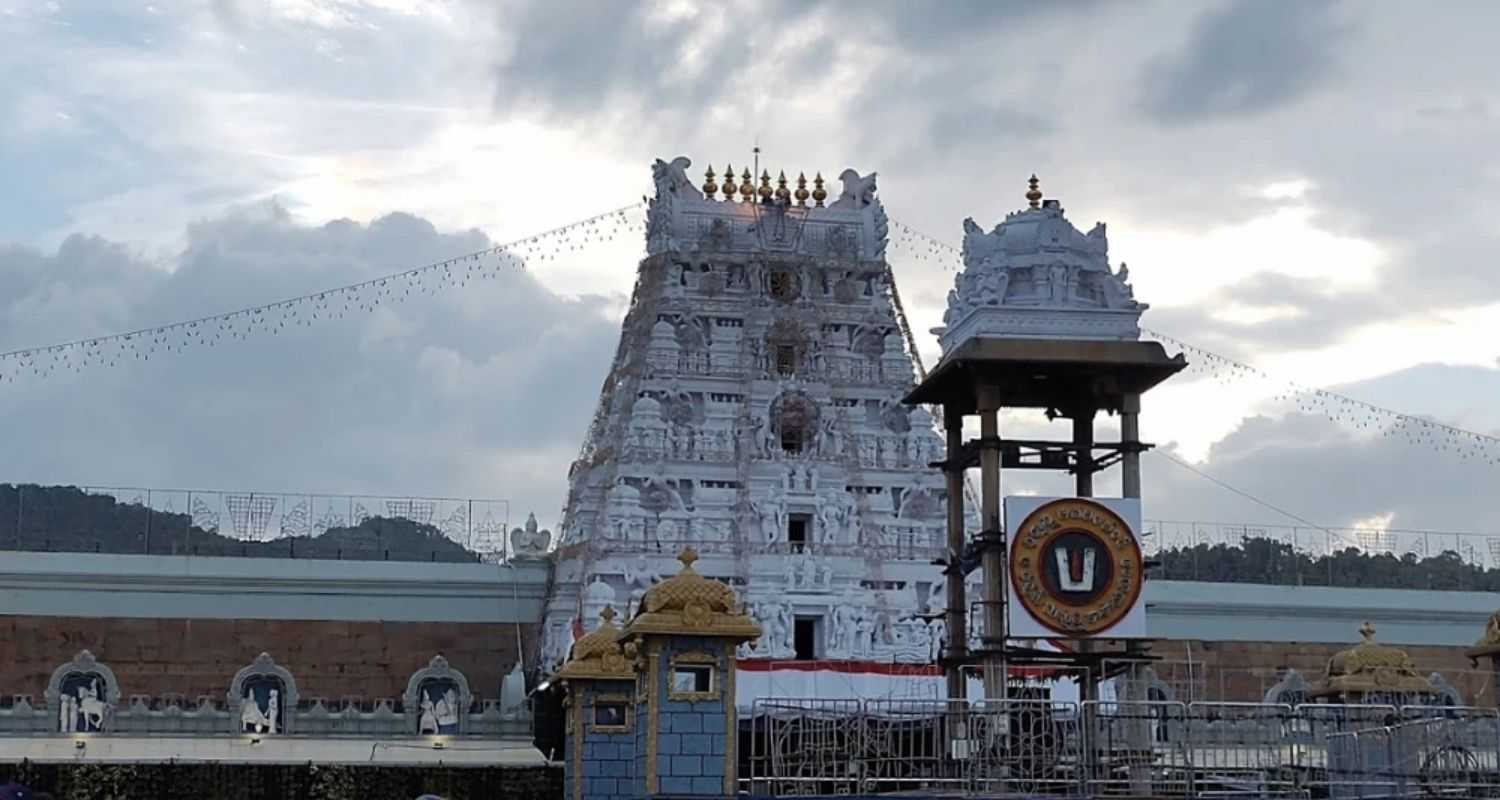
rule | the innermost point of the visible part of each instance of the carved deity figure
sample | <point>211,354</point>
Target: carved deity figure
<point>427,723</point>
<point>772,515</point>
<point>1057,275</point>
<point>529,541</point>
<point>253,719</point>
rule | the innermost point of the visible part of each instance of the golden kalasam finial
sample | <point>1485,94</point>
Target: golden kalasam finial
<point>783,194</point>
<point>802,193</point>
<point>819,193</point>
<point>687,557</point>
<point>728,181</point>
<point>747,189</point>
<point>710,188</point>
<point>1034,194</point>
<point>765,187</point>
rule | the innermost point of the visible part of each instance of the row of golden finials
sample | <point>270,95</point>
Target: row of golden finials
<point>784,195</point>
<point>781,193</point>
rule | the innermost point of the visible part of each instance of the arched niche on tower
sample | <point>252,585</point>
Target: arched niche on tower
<point>83,694</point>
<point>262,697</point>
<point>794,420</point>
<point>437,700</point>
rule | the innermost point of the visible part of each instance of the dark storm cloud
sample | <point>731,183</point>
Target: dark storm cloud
<point>435,396</point>
<point>591,58</point>
<point>1246,57</point>
<point>1308,314</point>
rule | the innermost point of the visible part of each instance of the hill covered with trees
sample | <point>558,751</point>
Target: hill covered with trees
<point>69,519</point>
<point>1268,561</point>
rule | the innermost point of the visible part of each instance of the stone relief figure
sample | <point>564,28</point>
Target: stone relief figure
<point>254,719</point>
<point>828,443</point>
<point>1117,290</point>
<point>864,639</point>
<point>1057,279</point>
<point>671,177</point>
<point>81,707</point>
<point>857,191</point>
<point>427,722</point>
<point>841,633</point>
<point>829,528</point>
<point>772,515</point>
<point>639,578</point>
<point>528,542</point>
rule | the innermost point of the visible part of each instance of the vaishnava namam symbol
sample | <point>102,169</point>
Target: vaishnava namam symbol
<point>1075,574</point>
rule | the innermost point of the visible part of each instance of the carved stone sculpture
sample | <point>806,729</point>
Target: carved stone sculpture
<point>528,542</point>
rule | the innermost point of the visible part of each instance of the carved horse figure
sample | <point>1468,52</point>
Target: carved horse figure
<point>91,706</point>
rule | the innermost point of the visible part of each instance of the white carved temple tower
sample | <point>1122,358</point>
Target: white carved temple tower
<point>753,410</point>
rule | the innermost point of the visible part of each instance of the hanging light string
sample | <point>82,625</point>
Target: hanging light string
<point>334,303</point>
<point>1336,407</point>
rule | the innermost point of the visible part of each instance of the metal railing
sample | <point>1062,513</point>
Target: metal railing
<point>247,523</point>
<point>1044,748</point>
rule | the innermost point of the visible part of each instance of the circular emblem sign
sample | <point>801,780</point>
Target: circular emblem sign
<point>1075,567</point>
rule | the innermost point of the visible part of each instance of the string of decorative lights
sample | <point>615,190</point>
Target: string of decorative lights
<point>335,303</point>
<point>1338,408</point>
<point>304,310</point>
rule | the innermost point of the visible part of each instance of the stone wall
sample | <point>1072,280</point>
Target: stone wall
<point>193,657</point>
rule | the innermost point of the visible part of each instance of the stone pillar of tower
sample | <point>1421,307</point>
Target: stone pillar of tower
<point>753,410</point>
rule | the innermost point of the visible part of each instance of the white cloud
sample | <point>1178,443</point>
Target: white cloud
<point>1282,190</point>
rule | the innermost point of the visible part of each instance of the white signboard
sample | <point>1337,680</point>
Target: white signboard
<point>1075,568</point>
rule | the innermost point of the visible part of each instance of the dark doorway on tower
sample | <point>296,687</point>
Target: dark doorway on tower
<point>805,637</point>
<point>796,532</point>
<point>786,359</point>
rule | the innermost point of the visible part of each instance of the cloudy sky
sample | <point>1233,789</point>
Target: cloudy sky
<point>1307,187</point>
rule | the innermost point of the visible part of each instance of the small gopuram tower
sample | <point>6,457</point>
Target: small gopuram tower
<point>599,750</point>
<point>684,636</point>
<point>1039,320</point>
<point>1373,673</point>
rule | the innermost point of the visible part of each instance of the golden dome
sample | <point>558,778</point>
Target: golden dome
<point>599,654</point>
<point>1371,667</point>
<point>1489,643</point>
<point>692,604</point>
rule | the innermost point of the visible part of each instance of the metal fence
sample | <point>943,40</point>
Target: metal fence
<point>1044,748</point>
<point>248,523</point>
<point>1476,549</point>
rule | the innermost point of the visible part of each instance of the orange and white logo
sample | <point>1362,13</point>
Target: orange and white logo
<point>1075,567</point>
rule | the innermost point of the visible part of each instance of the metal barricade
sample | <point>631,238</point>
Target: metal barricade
<point>1242,749</point>
<point>1024,747</point>
<point>804,747</point>
<point>905,745</point>
<point>1136,748</point>
<point>1447,751</point>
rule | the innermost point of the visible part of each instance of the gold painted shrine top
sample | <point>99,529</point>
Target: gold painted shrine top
<point>599,655</point>
<point>1372,667</point>
<point>689,604</point>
